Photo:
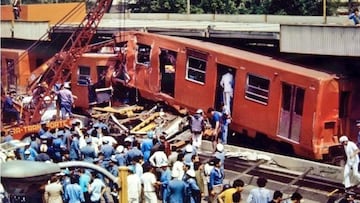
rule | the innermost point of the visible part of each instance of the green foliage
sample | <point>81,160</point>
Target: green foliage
<point>5,2</point>
<point>272,7</point>
<point>295,7</point>
<point>162,6</point>
<point>276,7</point>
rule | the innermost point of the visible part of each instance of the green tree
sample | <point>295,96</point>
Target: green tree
<point>218,6</point>
<point>295,7</point>
<point>162,6</point>
<point>277,7</point>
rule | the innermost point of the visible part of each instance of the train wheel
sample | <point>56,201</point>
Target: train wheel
<point>336,156</point>
<point>240,139</point>
<point>262,141</point>
<point>286,149</point>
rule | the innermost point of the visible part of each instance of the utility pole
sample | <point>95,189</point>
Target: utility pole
<point>188,7</point>
<point>324,11</point>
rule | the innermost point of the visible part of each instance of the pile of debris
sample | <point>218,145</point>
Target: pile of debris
<point>136,121</point>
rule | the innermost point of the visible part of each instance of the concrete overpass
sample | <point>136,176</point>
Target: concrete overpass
<point>318,35</point>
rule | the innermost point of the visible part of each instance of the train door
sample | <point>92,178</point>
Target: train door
<point>81,89</point>
<point>167,71</point>
<point>224,89</point>
<point>291,111</point>
<point>102,90</point>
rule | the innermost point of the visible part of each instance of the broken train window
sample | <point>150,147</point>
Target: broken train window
<point>143,54</point>
<point>83,75</point>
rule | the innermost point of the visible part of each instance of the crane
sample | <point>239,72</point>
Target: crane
<point>59,68</point>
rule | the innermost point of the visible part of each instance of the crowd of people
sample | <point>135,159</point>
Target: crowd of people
<point>157,170</point>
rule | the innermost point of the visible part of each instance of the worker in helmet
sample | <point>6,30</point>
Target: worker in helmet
<point>197,127</point>
<point>352,162</point>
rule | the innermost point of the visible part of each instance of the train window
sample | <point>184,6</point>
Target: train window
<point>196,69</point>
<point>83,75</point>
<point>143,54</point>
<point>257,89</point>
<point>329,125</point>
<point>10,72</point>
<point>299,103</point>
<point>101,79</point>
<point>286,89</point>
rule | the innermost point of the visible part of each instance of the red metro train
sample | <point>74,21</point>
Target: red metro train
<point>301,109</point>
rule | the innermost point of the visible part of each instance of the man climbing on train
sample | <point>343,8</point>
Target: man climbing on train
<point>16,9</point>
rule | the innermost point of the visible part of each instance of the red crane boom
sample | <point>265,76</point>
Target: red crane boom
<point>60,68</point>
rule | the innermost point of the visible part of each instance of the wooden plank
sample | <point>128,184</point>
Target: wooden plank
<point>147,128</point>
<point>145,122</point>
<point>123,110</point>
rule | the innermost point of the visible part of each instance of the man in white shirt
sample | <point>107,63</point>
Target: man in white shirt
<point>96,189</point>
<point>352,162</point>
<point>158,158</point>
<point>227,83</point>
<point>148,180</point>
<point>134,186</point>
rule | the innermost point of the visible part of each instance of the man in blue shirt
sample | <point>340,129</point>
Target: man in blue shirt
<point>216,122</point>
<point>8,107</point>
<point>73,191</point>
<point>88,151</point>
<point>74,151</point>
<point>146,145</point>
<point>355,17</point>
<point>9,136</point>
<point>176,189</point>
<point>84,182</point>
<point>216,180</point>
<point>66,100</point>
<point>259,194</point>
<point>107,149</point>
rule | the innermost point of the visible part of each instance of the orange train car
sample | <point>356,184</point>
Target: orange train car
<point>303,109</point>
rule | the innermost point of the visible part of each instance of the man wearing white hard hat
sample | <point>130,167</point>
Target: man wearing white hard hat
<point>194,194</point>
<point>352,162</point>
<point>176,189</point>
<point>66,101</point>
<point>197,127</point>
<point>220,154</point>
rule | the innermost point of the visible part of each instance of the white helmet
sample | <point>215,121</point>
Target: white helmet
<point>190,173</point>
<point>189,148</point>
<point>120,149</point>
<point>175,173</point>
<point>220,147</point>
<point>343,139</point>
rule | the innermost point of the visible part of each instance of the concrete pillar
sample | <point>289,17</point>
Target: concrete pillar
<point>123,193</point>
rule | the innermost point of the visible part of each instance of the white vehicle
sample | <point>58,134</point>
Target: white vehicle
<point>7,149</point>
<point>49,113</point>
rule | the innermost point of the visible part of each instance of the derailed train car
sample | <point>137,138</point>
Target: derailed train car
<point>303,110</point>
<point>299,109</point>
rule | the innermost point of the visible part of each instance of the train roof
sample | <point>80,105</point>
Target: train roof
<point>252,57</point>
